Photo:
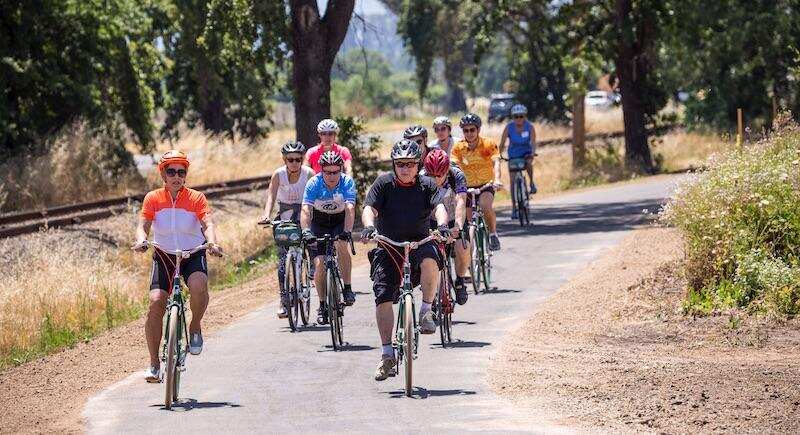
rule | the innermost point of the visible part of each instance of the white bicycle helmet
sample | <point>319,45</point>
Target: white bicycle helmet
<point>327,126</point>
<point>519,109</point>
<point>442,120</point>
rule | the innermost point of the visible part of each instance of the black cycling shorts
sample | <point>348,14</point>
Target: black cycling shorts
<point>386,278</point>
<point>163,269</point>
<point>319,248</point>
<point>489,189</point>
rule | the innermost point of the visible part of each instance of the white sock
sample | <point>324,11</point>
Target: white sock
<point>387,350</point>
<point>493,234</point>
<point>425,307</point>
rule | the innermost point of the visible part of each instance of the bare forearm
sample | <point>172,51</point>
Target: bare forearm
<point>143,230</point>
<point>368,217</point>
<point>349,217</point>
<point>210,232</point>
<point>497,170</point>
<point>305,217</point>
<point>461,210</point>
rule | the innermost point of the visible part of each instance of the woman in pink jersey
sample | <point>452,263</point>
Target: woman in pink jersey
<point>180,219</point>
<point>327,130</point>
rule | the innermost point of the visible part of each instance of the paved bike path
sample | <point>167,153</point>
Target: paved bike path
<point>256,376</point>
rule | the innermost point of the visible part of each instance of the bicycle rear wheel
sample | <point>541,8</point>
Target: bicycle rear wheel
<point>408,345</point>
<point>304,289</point>
<point>474,260</point>
<point>519,195</point>
<point>171,380</point>
<point>333,310</point>
<point>290,289</point>
<point>486,261</point>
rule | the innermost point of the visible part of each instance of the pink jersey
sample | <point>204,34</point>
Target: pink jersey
<point>314,153</point>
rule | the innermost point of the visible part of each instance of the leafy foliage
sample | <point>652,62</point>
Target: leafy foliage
<point>364,84</point>
<point>366,164</point>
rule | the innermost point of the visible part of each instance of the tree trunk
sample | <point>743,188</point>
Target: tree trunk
<point>632,70</point>
<point>578,130</point>
<point>315,41</point>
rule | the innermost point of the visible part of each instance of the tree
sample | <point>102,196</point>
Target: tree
<point>314,41</point>
<point>221,53</point>
<point>64,61</point>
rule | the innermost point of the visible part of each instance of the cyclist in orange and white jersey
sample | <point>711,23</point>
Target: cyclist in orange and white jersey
<point>181,220</point>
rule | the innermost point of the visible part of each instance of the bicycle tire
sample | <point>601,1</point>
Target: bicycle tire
<point>171,362</point>
<point>290,289</point>
<point>333,308</point>
<point>408,352</point>
<point>486,264</point>
<point>474,270</point>
<point>304,295</point>
<point>440,305</point>
<point>448,312</point>
<point>519,193</point>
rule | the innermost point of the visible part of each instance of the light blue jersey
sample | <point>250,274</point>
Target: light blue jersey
<point>329,204</point>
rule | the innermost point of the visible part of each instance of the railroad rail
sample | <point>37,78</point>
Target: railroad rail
<point>31,221</point>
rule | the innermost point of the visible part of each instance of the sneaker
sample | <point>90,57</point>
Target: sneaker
<point>514,214</point>
<point>386,368</point>
<point>494,242</point>
<point>461,291</point>
<point>322,314</point>
<point>195,343</point>
<point>533,188</point>
<point>282,312</point>
<point>348,296</point>
<point>152,374</point>
<point>427,324</point>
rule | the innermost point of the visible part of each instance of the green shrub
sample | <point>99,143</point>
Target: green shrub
<point>366,164</point>
<point>741,224</point>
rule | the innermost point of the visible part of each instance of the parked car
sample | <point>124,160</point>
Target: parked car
<point>599,99</point>
<point>500,107</point>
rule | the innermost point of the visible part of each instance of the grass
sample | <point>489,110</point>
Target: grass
<point>741,224</point>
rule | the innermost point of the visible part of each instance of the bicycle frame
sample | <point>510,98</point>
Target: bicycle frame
<point>478,233</point>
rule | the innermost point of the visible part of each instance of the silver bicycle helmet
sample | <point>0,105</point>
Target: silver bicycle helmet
<point>327,126</point>
<point>406,149</point>
<point>519,109</point>
<point>293,146</point>
<point>442,120</point>
<point>415,130</point>
<point>331,158</point>
<point>470,119</point>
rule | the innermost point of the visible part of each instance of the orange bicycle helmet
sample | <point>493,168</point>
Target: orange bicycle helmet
<point>173,157</point>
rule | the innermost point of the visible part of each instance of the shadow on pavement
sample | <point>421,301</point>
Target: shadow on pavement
<point>424,393</point>
<point>464,322</point>
<point>464,344</point>
<point>498,291</point>
<point>349,348</point>
<point>560,219</point>
<point>183,405</point>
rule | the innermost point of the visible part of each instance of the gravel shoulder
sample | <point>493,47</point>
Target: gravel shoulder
<point>611,351</point>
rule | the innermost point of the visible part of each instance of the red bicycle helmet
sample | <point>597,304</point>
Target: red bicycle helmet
<point>437,163</point>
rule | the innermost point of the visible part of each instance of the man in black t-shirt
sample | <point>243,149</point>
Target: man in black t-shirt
<point>399,206</point>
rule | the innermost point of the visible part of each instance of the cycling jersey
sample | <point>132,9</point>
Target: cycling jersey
<point>403,211</point>
<point>454,184</point>
<point>477,164</point>
<point>290,195</point>
<point>329,204</point>
<point>520,143</point>
<point>176,223</point>
<point>314,153</point>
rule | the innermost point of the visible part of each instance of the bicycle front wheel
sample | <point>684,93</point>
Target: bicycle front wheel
<point>486,261</point>
<point>408,345</point>
<point>519,199</point>
<point>334,321</point>
<point>290,289</point>
<point>474,260</point>
<point>439,305</point>
<point>304,288</point>
<point>170,390</point>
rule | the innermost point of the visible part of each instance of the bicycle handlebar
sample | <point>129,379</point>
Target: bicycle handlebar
<point>181,253</point>
<point>412,245</point>
<point>479,190</point>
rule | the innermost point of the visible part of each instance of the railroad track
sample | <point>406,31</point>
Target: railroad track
<point>31,221</point>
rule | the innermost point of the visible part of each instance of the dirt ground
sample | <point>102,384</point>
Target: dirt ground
<point>612,352</point>
<point>47,395</point>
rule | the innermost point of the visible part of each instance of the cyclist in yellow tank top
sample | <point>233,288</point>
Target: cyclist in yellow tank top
<point>479,158</point>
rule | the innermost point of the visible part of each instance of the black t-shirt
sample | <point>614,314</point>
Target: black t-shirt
<point>403,212</point>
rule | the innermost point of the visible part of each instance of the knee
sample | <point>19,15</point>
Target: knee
<point>198,284</point>
<point>486,202</point>
<point>429,266</point>
<point>158,302</point>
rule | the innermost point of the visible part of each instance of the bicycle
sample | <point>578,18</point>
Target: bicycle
<point>520,201</point>
<point>480,264</point>
<point>296,281</point>
<point>176,334</point>
<point>334,286</point>
<point>406,331</point>
<point>443,304</point>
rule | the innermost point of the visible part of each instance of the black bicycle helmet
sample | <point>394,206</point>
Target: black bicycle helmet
<point>470,119</point>
<point>331,158</point>
<point>415,130</point>
<point>406,149</point>
<point>293,146</point>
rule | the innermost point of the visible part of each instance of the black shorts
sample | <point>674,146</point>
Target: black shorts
<point>163,269</point>
<point>489,189</point>
<point>319,247</point>
<point>385,276</point>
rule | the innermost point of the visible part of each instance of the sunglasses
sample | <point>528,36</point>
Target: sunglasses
<point>327,133</point>
<point>519,116</point>
<point>332,173</point>
<point>419,141</point>
<point>469,130</point>
<point>297,160</point>
<point>440,129</point>
<point>406,164</point>
<point>173,172</point>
